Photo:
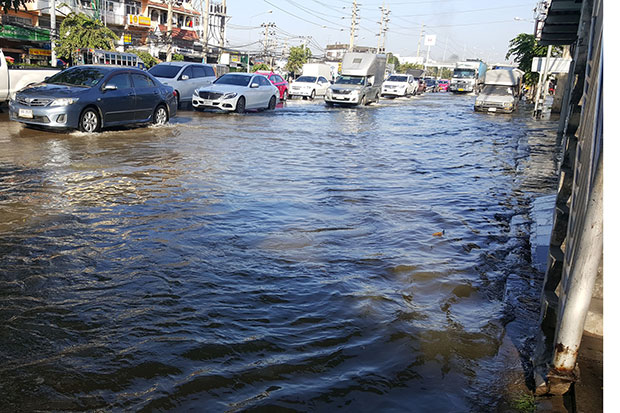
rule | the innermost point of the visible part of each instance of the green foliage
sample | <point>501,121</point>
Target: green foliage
<point>146,57</point>
<point>177,57</point>
<point>298,55</point>
<point>524,403</point>
<point>525,48</point>
<point>406,66</point>
<point>393,59</point>
<point>80,31</point>
<point>264,67</point>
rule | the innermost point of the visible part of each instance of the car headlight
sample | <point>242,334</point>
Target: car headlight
<point>64,101</point>
<point>229,95</point>
<point>507,104</point>
<point>196,93</point>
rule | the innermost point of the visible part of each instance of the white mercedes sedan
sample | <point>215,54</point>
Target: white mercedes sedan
<point>237,92</point>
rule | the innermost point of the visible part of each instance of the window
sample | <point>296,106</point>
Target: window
<point>198,71</point>
<point>141,81</point>
<point>133,7</point>
<point>121,81</point>
<point>209,71</point>
<point>276,79</point>
<point>323,80</point>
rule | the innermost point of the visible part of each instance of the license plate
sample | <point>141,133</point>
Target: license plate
<point>492,109</point>
<point>461,90</point>
<point>25,113</point>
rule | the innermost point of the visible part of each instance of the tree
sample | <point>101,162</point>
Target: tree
<point>393,59</point>
<point>406,66</point>
<point>146,57</point>
<point>80,31</point>
<point>525,48</point>
<point>298,55</point>
<point>13,4</point>
<point>262,67</point>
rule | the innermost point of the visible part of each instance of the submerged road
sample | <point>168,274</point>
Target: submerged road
<point>306,259</point>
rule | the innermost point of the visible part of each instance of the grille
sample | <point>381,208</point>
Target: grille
<point>210,95</point>
<point>342,91</point>
<point>33,101</point>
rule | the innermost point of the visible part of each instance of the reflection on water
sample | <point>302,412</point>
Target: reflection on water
<point>307,259</point>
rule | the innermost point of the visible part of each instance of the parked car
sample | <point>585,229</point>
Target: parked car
<point>431,85</point>
<point>236,92</point>
<point>399,85</point>
<point>184,77</point>
<point>309,86</point>
<point>279,82</point>
<point>444,85</point>
<point>91,97</point>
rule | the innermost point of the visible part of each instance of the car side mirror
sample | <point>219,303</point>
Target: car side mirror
<point>184,77</point>
<point>254,85</point>
<point>110,87</point>
<point>369,84</point>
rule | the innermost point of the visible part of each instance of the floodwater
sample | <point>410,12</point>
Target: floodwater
<point>306,259</point>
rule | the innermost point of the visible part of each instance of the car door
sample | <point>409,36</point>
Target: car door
<point>147,96</point>
<point>266,92</point>
<point>118,99</point>
<point>185,83</point>
<point>253,94</point>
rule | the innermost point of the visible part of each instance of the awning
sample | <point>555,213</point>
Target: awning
<point>561,23</point>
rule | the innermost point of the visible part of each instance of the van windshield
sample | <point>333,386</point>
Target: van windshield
<point>165,71</point>
<point>397,79</point>
<point>497,90</point>
<point>306,79</point>
<point>350,80</point>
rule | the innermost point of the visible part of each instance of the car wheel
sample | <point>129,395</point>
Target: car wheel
<point>364,100</point>
<point>90,121</point>
<point>240,108</point>
<point>272,103</point>
<point>312,95</point>
<point>160,116</point>
<point>284,95</point>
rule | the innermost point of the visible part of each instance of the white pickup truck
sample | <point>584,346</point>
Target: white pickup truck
<point>12,80</point>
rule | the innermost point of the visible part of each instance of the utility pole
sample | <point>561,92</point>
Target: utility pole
<point>268,33</point>
<point>223,26</point>
<point>354,11</point>
<point>169,32</point>
<point>53,31</point>
<point>420,41</point>
<point>205,30</point>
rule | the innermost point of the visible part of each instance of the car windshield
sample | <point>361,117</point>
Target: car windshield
<point>78,76</point>
<point>165,71</point>
<point>350,80</point>
<point>497,90</point>
<point>464,73</point>
<point>237,80</point>
<point>306,79</point>
<point>397,79</point>
<point>430,82</point>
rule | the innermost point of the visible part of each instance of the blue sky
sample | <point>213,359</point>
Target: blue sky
<point>464,28</point>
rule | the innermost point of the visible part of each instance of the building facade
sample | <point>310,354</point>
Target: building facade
<point>142,25</point>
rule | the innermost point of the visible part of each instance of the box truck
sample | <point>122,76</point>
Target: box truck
<point>468,76</point>
<point>501,91</point>
<point>360,80</point>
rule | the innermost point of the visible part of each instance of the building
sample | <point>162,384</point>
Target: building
<point>142,25</point>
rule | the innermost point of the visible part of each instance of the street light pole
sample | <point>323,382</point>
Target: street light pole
<point>169,30</point>
<point>53,31</point>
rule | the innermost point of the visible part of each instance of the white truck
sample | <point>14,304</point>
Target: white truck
<point>12,80</point>
<point>360,80</point>
<point>468,76</point>
<point>501,91</point>
<point>314,81</point>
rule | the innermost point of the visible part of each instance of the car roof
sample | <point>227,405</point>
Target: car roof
<point>181,63</point>
<point>109,68</point>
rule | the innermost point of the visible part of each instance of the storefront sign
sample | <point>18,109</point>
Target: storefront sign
<point>22,33</point>
<point>135,20</point>
<point>39,52</point>
<point>127,39</point>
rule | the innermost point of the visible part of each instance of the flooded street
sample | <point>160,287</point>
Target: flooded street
<point>306,259</point>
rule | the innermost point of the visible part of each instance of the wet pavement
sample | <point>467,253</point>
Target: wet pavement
<point>376,258</point>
